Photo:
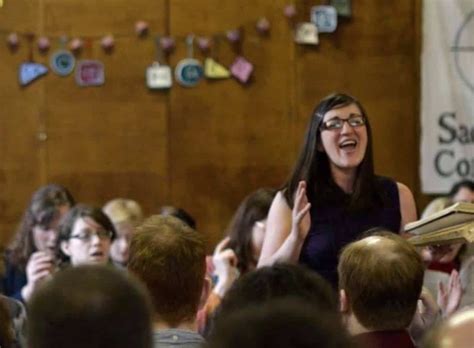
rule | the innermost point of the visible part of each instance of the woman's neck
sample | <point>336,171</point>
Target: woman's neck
<point>344,178</point>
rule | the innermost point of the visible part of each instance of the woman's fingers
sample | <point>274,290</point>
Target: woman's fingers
<point>302,212</point>
<point>222,245</point>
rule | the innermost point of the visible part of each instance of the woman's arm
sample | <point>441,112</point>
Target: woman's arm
<point>407,206</point>
<point>286,229</point>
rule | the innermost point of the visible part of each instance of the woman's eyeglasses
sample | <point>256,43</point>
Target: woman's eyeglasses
<point>86,236</point>
<point>338,123</point>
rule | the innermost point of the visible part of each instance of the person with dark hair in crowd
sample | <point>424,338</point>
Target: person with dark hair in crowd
<point>239,252</point>
<point>90,306</point>
<point>179,213</point>
<point>456,331</point>
<point>85,236</point>
<point>30,259</point>
<point>283,323</point>
<point>246,230</point>
<point>380,282</point>
<point>126,215</point>
<point>168,256</point>
<point>15,319</point>
<point>279,281</point>
<point>333,194</point>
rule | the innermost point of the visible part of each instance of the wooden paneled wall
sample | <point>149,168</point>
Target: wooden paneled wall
<point>201,148</point>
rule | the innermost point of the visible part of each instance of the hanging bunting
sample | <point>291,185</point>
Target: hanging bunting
<point>343,7</point>
<point>13,41</point>
<point>108,43</point>
<point>263,26</point>
<point>30,71</point>
<point>90,73</point>
<point>188,71</point>
<point>289,11</point>
<point>76,45</point>
<point>43,44</point>
<point>212,69</point>
<point>325,18</point>
<point>158,76</point>
<point>62,61</point>
<point>306,34</point>
<point>141,28</point>
<point>241,68</point>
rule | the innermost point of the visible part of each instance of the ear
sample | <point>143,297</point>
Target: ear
<point>343,302</point>
<point>65,247</point>
<point>206,289</point>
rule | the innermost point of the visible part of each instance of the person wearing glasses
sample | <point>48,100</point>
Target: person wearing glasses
<point>333,194</point>
<point>85,237</point>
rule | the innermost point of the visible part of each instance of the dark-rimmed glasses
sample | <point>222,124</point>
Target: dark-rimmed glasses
<point>338,123</point>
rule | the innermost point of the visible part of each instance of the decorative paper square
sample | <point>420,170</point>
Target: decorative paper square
<point>90,73</point>
<point>325,18</point>
<point>241,69</point>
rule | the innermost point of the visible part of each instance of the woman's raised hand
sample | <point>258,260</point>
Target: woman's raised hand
<point>301,219</point>
<point>41,266</point>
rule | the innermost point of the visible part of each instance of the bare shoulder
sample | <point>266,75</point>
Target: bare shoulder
<point>407,204</point>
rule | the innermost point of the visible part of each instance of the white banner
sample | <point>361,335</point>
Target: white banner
<point>447,94</point>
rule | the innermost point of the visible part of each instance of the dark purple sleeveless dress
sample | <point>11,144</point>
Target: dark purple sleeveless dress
<point>333,227</point>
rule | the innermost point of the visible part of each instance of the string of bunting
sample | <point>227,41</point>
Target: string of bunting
<point>188,71</point>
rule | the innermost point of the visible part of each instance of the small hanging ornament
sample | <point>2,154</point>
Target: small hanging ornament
<point>289,11</point>
<point>62,61</point>
<point>306,34</point>
<point>30,71</point>
<point>141,28</point>
<point>158,76</point>
<point>343,7</point>
<point>263,26</point>
<point>76,45</point>
<point>212,69</point>
<point>233,35</point>
<point>204,44</point>
<point>188,71</point>
<point>108,43</point>
<point>89,72</point>
<point>241,68</point>
<point>167,44</point>
<point>43,44</point>
<point>13,41</point>
<point>325,18</point>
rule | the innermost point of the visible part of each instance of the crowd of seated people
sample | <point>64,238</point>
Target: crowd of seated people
<point>77,275</point>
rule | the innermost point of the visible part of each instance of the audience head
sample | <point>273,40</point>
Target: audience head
<point>179,213</point>
<point>462,191</point>
<point>125,214</point>
<point>276,282</point>
<point>455,332</point>
<point>284,323</point>
<point>247,228</point>
<point>85,236</point>
<point>169,257</point>
<point>90,306</point>
<point>38,228</point>
<point>380,280</point>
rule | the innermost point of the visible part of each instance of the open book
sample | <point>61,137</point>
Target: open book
<point>451,225</point>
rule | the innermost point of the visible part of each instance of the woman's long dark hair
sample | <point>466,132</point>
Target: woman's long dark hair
<point>253,208</point>
<point>313,167</point>
<point>42,210</point>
